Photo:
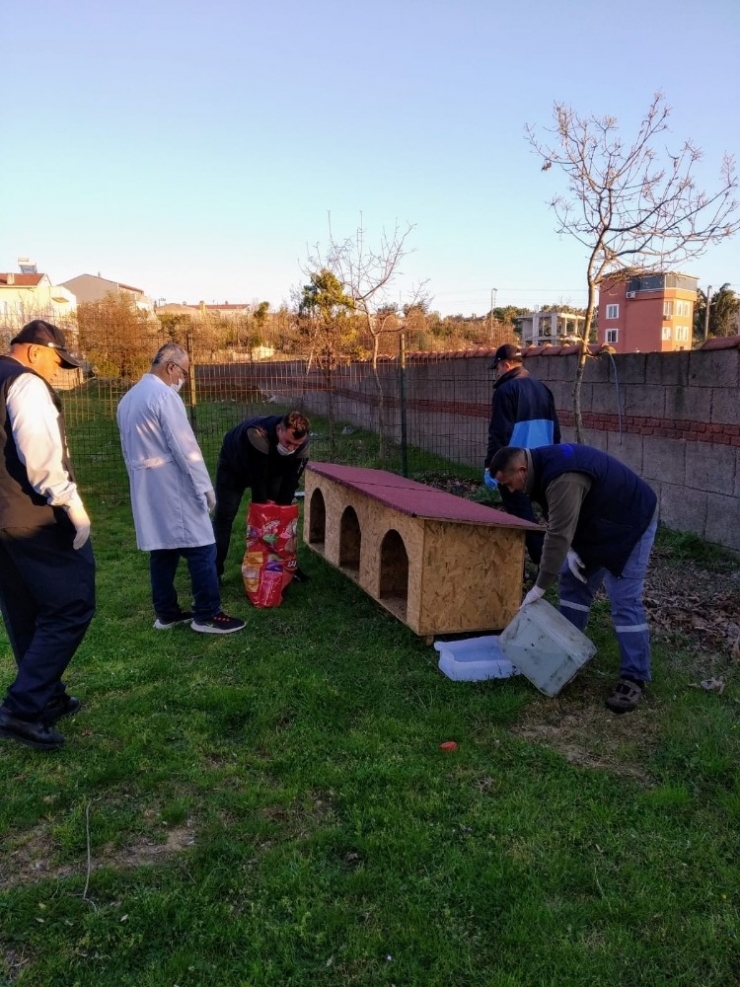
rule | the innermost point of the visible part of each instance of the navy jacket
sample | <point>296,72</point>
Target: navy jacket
<point>269,475</point>
<point>615,512</point>
<point>522,414</point>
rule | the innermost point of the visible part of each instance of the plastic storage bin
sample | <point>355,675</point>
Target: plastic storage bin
<point>545,647</point>
<point>473,659</point>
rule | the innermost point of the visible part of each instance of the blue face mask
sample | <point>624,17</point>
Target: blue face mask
<point>283,451</point>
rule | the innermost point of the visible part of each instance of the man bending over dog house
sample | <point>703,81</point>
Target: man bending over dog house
<point>440,563</point>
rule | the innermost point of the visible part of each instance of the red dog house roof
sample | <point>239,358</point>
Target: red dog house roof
<point>416,499</point>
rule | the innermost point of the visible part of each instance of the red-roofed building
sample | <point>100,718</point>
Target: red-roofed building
<point>32,296</point>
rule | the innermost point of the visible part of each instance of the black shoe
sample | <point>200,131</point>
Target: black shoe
<point>300,576</point>
<point>164,623</point>
<point>626,696</point>
<point>220,623</point>
<point>31,733</point>
<point>60,706</point>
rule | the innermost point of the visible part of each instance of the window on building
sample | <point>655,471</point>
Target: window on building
<point>611,335</point>
<point>667,310</point>
<point>612,311</point>
<point>682,334</point>
<point>683,308</point>
<point>666,332</point>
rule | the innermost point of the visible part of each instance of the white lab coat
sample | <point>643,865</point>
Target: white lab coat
<point>167,475</point>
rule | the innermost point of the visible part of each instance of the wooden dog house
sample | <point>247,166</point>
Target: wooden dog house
<point>440,563</point>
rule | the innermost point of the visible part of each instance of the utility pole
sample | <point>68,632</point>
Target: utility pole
<point>494,292</point>
<point>706,313</point>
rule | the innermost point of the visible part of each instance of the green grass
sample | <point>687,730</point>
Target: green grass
<point>272,808</point>
<point>93,436</point>
<point>684,546</point>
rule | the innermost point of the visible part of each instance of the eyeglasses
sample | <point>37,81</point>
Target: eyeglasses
<point>181,369</point>
<point>54,346</point>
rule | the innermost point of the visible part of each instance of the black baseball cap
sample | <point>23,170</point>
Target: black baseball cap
<point>509,351</point>
<point>41,333</point>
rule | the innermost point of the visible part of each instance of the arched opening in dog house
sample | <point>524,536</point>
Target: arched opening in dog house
<point>394,573</point>
<point>350,540</point>
<point>317,520</point>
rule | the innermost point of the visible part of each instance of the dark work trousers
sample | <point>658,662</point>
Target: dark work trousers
<point>203,581</point>
<point>230,487</point>
<point>520,505</point>
<point>47,597</point>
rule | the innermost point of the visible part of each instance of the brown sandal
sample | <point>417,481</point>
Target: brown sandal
<point>625,698</point>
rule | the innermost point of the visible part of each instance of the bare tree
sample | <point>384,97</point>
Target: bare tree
<point>325,321</point>
<point>635,208</point>
<point>117,338</point>
<point>367,273</point>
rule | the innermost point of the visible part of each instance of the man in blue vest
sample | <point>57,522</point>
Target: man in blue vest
<point>522,414</point>
<point>601,523</point>
<point>47,569</point>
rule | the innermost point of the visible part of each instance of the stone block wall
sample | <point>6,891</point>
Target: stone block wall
<point>674,418</point>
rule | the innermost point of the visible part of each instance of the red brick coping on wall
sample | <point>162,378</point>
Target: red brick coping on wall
<point>669,428</point>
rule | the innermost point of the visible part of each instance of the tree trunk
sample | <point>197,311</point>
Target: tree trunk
<point>577,382</point>
<point>328,376</point>
<point>381,403</point>
<point>582,358</point>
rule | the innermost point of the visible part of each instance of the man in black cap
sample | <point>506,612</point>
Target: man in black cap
<point>47,569</point>
<point>522,414</point>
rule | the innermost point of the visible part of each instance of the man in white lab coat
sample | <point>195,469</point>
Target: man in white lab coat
<point>171,495</point>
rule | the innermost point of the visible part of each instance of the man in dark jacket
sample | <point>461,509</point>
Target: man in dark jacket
<point>267,455</point>
<point>601,522</point>
<point>47,568</point>
<point>522,414</point>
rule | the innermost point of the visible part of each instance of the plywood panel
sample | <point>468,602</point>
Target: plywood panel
<point>438,576</point>
<point>472,577</point>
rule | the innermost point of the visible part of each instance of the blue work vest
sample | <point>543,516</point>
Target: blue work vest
<point>615,512</point>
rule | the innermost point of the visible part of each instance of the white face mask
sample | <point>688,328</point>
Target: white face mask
<point>283,451</point>
<point>177,387</point>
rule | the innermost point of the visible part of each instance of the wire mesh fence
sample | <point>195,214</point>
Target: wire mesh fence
<point>424,418</point>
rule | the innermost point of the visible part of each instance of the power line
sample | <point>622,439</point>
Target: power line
<point>480,291</point>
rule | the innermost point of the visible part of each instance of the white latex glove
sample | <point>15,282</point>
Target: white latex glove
<point>210,499</point>
<point>575,564</point>
<point>78,516</point>
<point>533,595</point>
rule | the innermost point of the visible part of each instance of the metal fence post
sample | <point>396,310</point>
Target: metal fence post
<point>402,396</point>
<point>191,382</point>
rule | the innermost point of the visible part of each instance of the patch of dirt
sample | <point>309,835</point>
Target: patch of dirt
<point>693,609</point>
<point>695,605</point>
<point>31,860</point>
<point>303,815</point>
<point>578,726</point>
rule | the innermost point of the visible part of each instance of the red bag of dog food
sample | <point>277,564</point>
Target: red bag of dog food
<point>270,558</point>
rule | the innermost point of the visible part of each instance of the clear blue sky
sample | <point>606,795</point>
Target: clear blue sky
<point>196,149</point>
